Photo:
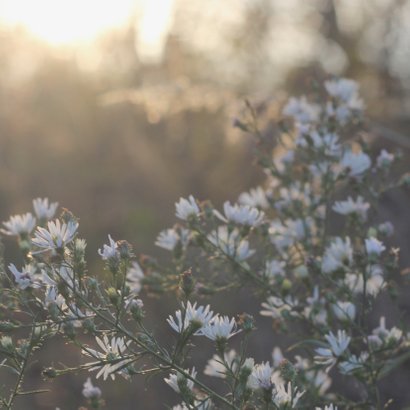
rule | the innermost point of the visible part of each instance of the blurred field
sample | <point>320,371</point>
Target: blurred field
<point>117,136</point>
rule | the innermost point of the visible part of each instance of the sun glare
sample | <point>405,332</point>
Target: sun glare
<point>61,22</point>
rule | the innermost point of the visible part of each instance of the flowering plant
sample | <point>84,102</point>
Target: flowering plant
<point>320,282</point>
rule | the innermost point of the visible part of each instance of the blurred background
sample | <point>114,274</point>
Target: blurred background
<point>117,108</point>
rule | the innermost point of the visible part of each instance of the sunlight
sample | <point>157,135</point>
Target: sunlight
<point>65,22</point>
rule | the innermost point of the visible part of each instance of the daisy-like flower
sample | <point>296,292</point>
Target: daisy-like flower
<point>230,243</point>
<point>348,207</point>
<point>216,368</point>
<point>275,307</point>
<point>274,268</point>
<point>327,143</point>
<point>356,163</point>
<point>56,237</point>
<point>186,208</point>
<point>19,225</point>
<point>344,310</point>
<point>220,328</point>
<point>256,197</point>
<point>384,159</point>
<point>90,391</point>
<point>301,110</point>
<point>374,246</point>
<point>110,251</point>
<point>177,380</point>
<point>338,255</point>
<point>241,214</point>
<point>343,89</point>
<point>337,346</point>
<point>43,209</point>
<point>382,335</point>
<point>170,238</point>
<point>111,360</point>
<point>261,377</point>
<point>26,278</point>
<point>353,363</point>
<point>374,284</point>
<point>284,396</point>
<point>134,277</point>
<point>195,317</point>
<point>327,407</point>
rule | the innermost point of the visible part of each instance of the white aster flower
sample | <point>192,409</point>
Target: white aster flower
<point>276,307</point>
<point>274,268</point>
<point>111,360</point>
<point>90,391</point>
<point>186,208</point>
<point>57,236</point>
<point>27,278</point>
<point>176,379</point>
<point>353,363</point>
<point>170,238</point>
<point>337,345</point>
<point>196,317</point>
<point>338,255</point>
<point>348,207</point>
<point>256,197</point>
<point>345,90</point>
<point>356,163</point>
<point>284,396</point>
<point>374,246</point>
<point>315,310</point>
<point>384,159</point>
<point>134,277</point>
<point>374,284</point>
<point>301,110</point>
<point>241,214</point>
<point>344,310</point>
<point>220,328</point>
<point>19,225</point>
<point>385,335</point>
<point>43,209</point>
<point>327,407</point>
<point>215,366</point>
<point>109,251</point>
<point>327,143</point>
<point>230,243</point>
<point>261,377</point>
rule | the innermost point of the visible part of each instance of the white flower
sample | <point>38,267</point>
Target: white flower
<point>337,346</point>
<point>109,251</point>
<point>230,243</point>
<point>328,143</point>
<point>344,310</point>
<point>301,110</point>
<point>274,268</point>
<point>374,283</point>
<point>215,366</point>
<point>386,335</point>
<point>220,328</point>
<point>384,159</point>
<point>27,278</point>
<point>198,317</point>
<point>275,307</point>
<point>19,224</point>
<point>90,391</point>
<point>134,277</point>
<point>315,310</point>
<point>176,379</point>
<point>343,89</point>
<point>358,207</point>
<point>327,407</point>
<point>186,208</point>
<point>353,363</point>
<point>44,210</point>
<point>338,255</point>
<point>111,360</point>
<point>241,214</point>
<point>57,236</point>
<point>261,377</point>
<point>355,162</point>
<point>374,246</point>
<point>283,396</point>
<point>254,198</point>
<point>169,238</point>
